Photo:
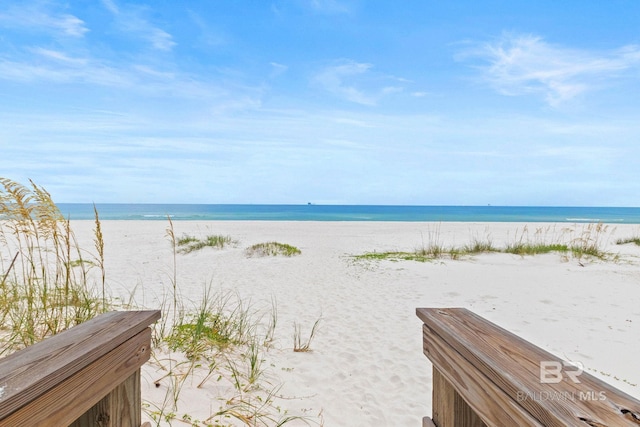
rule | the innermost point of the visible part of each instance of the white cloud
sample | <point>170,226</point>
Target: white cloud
<point>111,6</point>
<point>357,82</point>
<point>157,74</point>
<point>69,25</point>
<point>37,18</point>
<point>277,69</point>
<point>59,67</point>
<point>59,56</point>
<point>334,80</point>
<point>526,64</point>
<point>160,39</point>
<point>39,65</point>
<point>131,20</point>
<point>64,69</point>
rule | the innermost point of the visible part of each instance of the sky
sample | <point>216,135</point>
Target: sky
<point>469,102</point>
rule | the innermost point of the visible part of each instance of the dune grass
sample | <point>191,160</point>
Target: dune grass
<point>478,246</point>
<point>433,249</point>
<point>272,249</point>
<point>219,344</point>
<point>301,345</point>
<point>535,248</point>
<point>218,322</point>
<point>187,244</point>
<point>394,256</point>
<point>634,240</point>
<point>588,242</point>
<point>46,280</point>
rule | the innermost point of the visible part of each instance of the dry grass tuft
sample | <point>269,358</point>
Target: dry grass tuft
<point>301,345</point>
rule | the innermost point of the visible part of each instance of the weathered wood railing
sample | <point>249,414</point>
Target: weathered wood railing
<point>88,375</point>
<point>484,375</point>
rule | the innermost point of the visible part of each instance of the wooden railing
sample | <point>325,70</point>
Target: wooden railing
<point>484,375</point>
<point>88,375</point>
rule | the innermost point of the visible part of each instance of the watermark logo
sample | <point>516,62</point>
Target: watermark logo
<point>553,371</point>
<point>561,396</point>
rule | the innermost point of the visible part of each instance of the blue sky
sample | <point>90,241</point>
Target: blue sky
<point>325,101</point>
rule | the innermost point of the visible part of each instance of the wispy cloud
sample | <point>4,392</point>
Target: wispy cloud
<point>329,150</point>
<point>526,64</point>
<point>111,6</point>
<point>38,18</point>
<point>131,20</point>
<point>60,67</point>
<point>53,66</point>
<point>334,79</point>
<point>209,35</point>
<point>355,82</point>
<point>329,6</point>
<point>277,69</point>
<point>87,65</point>
<point>59,56</point>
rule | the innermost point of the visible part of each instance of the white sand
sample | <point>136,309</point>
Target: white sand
<point>367,366</point>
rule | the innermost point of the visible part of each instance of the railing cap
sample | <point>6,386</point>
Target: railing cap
<point>26,374</point>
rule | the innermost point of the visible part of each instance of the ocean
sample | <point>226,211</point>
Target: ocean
<point>312,212</point>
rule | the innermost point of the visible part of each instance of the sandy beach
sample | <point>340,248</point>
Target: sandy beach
<point>366,366</point>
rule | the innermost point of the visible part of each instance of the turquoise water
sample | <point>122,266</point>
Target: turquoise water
<point>116,211</point>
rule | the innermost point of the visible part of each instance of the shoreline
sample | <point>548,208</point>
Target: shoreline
<point>366,359</point>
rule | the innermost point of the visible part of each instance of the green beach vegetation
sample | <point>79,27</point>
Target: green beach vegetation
<point>187,243</point>
<point>588,243</point>
<point>272,249</point>
<point>395,256</point>
<point>634,240</point>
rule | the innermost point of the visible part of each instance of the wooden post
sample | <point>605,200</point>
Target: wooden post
<point>120,408</point>
<point>449,408</point>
